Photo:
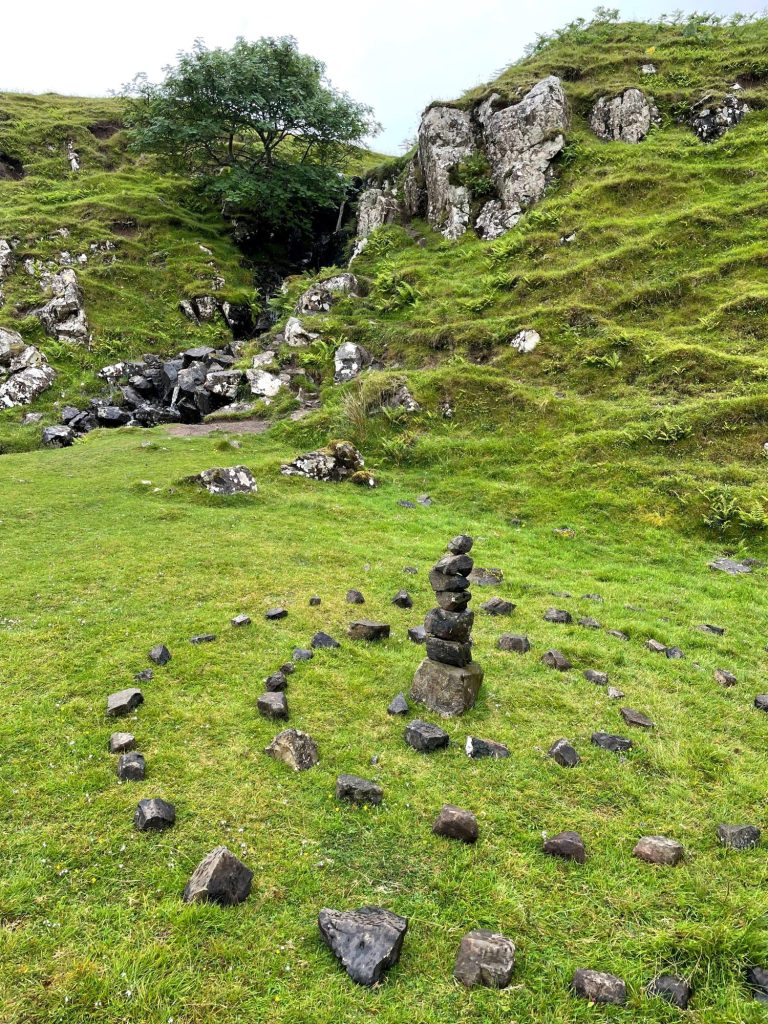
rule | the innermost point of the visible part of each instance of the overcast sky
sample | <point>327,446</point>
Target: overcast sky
<point>396,56</point>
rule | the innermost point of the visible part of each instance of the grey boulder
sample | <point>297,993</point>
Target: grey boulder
<point>485,958</point>
<point>219,878</point>
<point>124,702</point>
<point>154,815</point>
<point>296,749</point>
<point>367,942</point>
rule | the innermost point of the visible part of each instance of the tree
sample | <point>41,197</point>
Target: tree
<point>258,126</point>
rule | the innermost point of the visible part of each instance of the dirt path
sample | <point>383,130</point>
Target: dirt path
<point>224,426</point>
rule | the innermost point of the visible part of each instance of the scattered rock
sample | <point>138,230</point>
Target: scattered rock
<point>131,767</point>
<point>294,748</point>
<point>349,361</point>
<point>322,641</point>
<point>455,823</point>
<point>525,341</point>
<point>655,646</point>
<point>124,702</point>
<point>485,958</point>
<point>219,878</point>
<point>672,989</point>
<point>302,654</point>
<point>599,987</point>
<point>241,620</point>
<point>477,748</point>
<point>425,737</point>
<point>314,601</point>
<point>273,704</point>
<point>632,717</point>
<point>598,678</point>
<point>615,694</point>
<point>564,754</point>
<point>120,742</point>
<point>724,677</point>
<point>738,837</point>
<point>335,463</point>
<point>159,654</point>
<point>417,635</point>
<point>619,634</point>
<point>355,597</point>
<point>402,599</point>
<point>568,845</point>
<point>154,815</point>
<point>203,638</point>
<point>514,642</point>
<point>558,615</point>
<point>486,577</point>
<point>367,941</point>
<point>659,850</point>
<point>275,614</point>
<point>589,623</point>
<point>57,436</point>
<point>364,629</point>
<point>616,744</point>
<point>398,705</point>
<point>230,480</point>
<point>757,979</point>
<point>731,567</point>
<point>707,627</point>
<point>555,659</point>
<point>145,676</point>
<point>498,606</point>
<point>711,118</point>
<point>761,702</point>
<point>674,652</point>
<point>63,317</point>
<point>358,791</point>
<point>296,335</point>
<point>321,296</point>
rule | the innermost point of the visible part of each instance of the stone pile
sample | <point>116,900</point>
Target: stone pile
<point>24,370</point>
<point>448,680</point>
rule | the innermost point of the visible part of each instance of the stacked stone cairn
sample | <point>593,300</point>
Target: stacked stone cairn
<point>448,680</point>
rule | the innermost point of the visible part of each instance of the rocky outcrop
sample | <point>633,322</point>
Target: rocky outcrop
<point>205,308</point>
<point>63,316</point>
<point>446,139</point>
<point>349,361</point>
<point>24,371</point>
<point>335,463</point>
<point>521,141</point>
<point>376,207</point>
<point>624,118</point>
<point>321,296</point>
<point>6,264</point>
<point>296,335</point>
<point>711,118</point>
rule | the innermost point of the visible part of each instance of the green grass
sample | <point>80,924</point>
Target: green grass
<point>99,567</point>
<point>639,421</point>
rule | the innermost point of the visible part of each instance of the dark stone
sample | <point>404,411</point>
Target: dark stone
<point>498,606</point>
<point>402,599</point>
<point>296,749</point>
<point>219,878</point>
<point>453,600</point>
<point>477,748</point>
<point>287,668</point>
<point>160,654</point>
<point>599,678</point>
<point>145,676</point>
<point>398,705</point>
<point>558,615</point>
<point>131,767</point>
<point>555,659</point>
<point>592,597</point>
<point>731,567</point>
<point>366,941</point>
<point>655,646</point>
<point>616,744</point>
<point>273,705</point>
<point>322,641</point>
<point>314,601</point>
<point>358,791</point>
<point>599,987</point>
<point>68,413</point>
<point>203,638</point>
<point>302,654</point>
<point>514,642</point>
<point>417,635</point>
<point>446,689</point>
<point>364,629</point>
<point>564,754</point>
<point>276,682</point>
<point>449,652</point>
<point>632,717</point>
<point>707,627</point>
<point>568,845</point>
<point>589,623</point>
<point>455,823</point>
<point>453,565</point>
<point>738,837</point>
<point>120,742</point>
<point>659,850</point>
<point>425,737</point>
<point>486,577</point>
<point>761,702</point>
<point>411,570</point>
<point>274,614</point>
<point>724,677</point>
<point>241,620</point>
<point>154,815</point>
<point>672,989</point>
<point>112,416</point>
<point>124,702</point>
<point>485,958</point>
<point>407,504</point>
<point>58,437</point>
<point>460,545</point>
<point>757,979</point>
<point>441,583</point>
<point>674,652</point>
<point>446,625</point>
<point>618,633</point>
<point>355,597</point>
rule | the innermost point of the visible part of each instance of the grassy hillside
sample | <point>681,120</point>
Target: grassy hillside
<point>638,422</point>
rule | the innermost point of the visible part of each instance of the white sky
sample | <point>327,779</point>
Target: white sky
<point>396,56</point>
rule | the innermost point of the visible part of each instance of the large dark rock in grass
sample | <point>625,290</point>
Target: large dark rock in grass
<point>632,717</point>
<point>556,659</point>
<point>516,642</point>
<point>358,791</point>
<point>120,742</point>
<point>131,767</point>
<point>659,850</point>
<point>558,615</point>
<point>671,989</point>
<point>485,958</point>
<point>738,837</point>
<point>322,641</point>
<point>608,741</point>
<point>124,702</point>
<point>568,845</point>
<point>273,705</point>
<point>564,754</point>
<point>226,480</point>
<point>398,705</point>
<point>477,748</point>
<point>219,878</point>
<point>757,979</point>
<point>159,654</point>
<point>455,823</point>
<point>367,941</point>
<point>446,689</point>
<point>58,437</point>
<point>498,606</point>
<point>711,118</point>
<point>154,815</point>
<point>599,987</point>
<point>334,463</point>
<point>425,737</point>
<point>364,629</point>
<point>296,749</point>
<point>731,567</point>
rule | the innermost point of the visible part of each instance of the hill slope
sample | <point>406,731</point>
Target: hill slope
<point>640,414</point>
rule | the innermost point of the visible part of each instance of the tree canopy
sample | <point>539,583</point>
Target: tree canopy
<point>259,126</point>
